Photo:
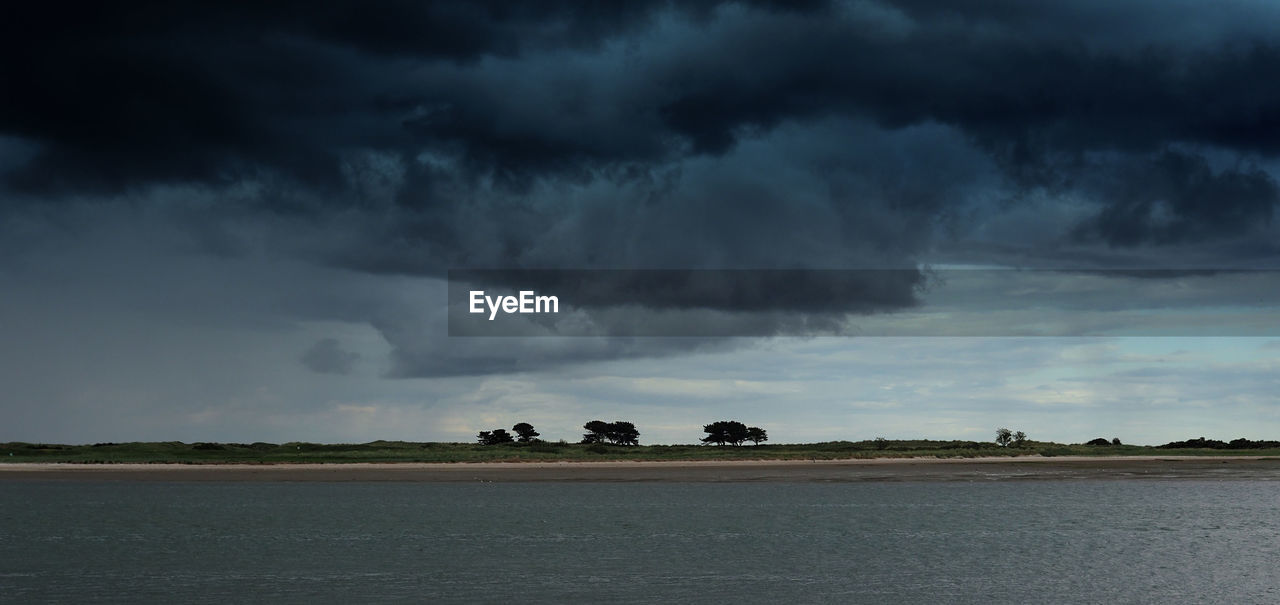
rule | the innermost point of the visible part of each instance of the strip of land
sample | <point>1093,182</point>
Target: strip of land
<point>850,470</point>
<point>559,451</point>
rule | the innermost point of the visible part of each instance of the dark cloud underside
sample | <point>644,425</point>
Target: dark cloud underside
<point>413,137</point>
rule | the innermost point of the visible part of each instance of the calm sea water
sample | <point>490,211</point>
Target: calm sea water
<point>1049,542</point>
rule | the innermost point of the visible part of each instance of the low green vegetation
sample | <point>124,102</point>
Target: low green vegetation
<point>403,451</point>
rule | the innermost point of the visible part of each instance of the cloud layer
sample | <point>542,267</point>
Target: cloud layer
<point>316,168</point>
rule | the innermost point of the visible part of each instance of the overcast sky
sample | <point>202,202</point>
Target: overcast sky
<point>234,223</point>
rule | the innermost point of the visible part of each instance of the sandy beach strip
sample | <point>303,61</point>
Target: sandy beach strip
<point>879,469</point>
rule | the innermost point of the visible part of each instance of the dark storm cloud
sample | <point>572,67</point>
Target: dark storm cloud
<point>117,97</point>
<point>413,137</point>
<point>125,94</point>
<point>206,91</point>
<point>122,95</point>
<point>1176,198</point>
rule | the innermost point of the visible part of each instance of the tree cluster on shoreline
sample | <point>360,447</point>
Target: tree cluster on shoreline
<point>733,432</point>
<point>1006,438</point>
<point>524,434</point>
<point>621,432</point>
<point>618,432</point>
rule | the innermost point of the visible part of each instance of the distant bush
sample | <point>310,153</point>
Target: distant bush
<point>494,437</point>
<point>207,446</point>
<point>1098,441</point>
<point>1245,444</point>
<point>1214,444</point>
<point>1201,442</point>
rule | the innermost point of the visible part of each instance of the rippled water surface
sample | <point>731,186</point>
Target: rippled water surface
<point>1019,542</point>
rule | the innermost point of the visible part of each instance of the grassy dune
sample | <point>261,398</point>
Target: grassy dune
<point>403,451</point>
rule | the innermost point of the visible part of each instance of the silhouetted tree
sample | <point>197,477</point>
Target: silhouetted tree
<point>1098,441</point>
<point>1019,438</point>
<point>526,432</point>
<point>494,437</point>
<point>597,432</point>
<point>623,433</point>
<point>1116,441</point>
<point>725,431</point>
<point>619,432</point>
<point>756,434</point>
<point>1003,436</point>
